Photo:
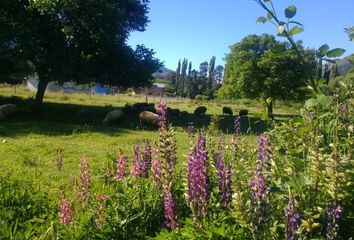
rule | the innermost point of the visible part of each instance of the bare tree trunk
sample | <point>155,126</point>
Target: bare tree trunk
<point>38,101</point>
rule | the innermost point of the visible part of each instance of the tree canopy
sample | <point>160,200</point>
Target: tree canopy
<point>77,40</point>
<point>260,66</point>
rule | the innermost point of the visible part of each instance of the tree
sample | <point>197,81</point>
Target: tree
<point>178,74</point>
<point>77,40</point>
<point>261,67</point>
<point>209,85</point>
<point>218,75</point>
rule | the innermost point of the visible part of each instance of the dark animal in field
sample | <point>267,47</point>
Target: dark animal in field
<point>200,110</point>
<point>183,114</point>
<point>227,110</point>
<point>140,107</point>
<point>128,109</point>
<point>243,112</point>
<point>83,115</point>
<point>113,117</point>
<point>8,110</point>
<point>149,119</point>
<point>173,112</point>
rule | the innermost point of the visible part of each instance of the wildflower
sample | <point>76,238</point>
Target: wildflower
<point>66,212</point>
<point>59,161</point>
<point>145,161</point>
<point>224,175</point>
<point>134,168</point>
<point>162,112</point>
<point>170,210</point>
<point>293,220</point>
<point>237,126</point>
<point>198,191</point>
<point>100,219</point>
<point>155,165</point>
<point>259,186</point>
<point>343,110</point>
<point>191,129</point>
<point>334,214</point>
<point>85,179</point>
<point>121,162</point>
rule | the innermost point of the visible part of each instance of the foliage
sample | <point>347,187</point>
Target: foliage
<point>80,41</point>
<point>192,83</point>
<point>289,28</point>
<point>260,66</point>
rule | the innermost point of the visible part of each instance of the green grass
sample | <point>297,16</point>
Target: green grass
<point>29,143</point>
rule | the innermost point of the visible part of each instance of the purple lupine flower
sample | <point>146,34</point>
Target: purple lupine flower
<point>85,179</point>
<point>264,155</point>
<point>343,110</point>
<point>121,164</point>
<point>145,161</point>
<point>191,129</point>
<point>66,213</point>
<point>259,186</point>
<point>162,112</point>
<point>198,182</point>
<point>224,175</point>
<point>59,161</point>
<point>227,196</point>
<point>293,220</point>
<point>237,126</point>
<point>155,165</point>
<point>100,218</point>
<point>134,167</point>
<point>170,209</point>
<point>236,136</point>
<point>334,214</point>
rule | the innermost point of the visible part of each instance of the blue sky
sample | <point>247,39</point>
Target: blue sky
<point>200,29</point>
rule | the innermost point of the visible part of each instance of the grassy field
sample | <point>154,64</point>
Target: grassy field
<point>29,144</point>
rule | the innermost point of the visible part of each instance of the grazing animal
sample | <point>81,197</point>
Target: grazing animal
<point>8,110</point>
<point>183,113</point>
<point>200,110</point>
<point>227,110</point>
<point>113,117</point>
<point>174,112</point>
<point>243,112</point>
<point>149,119</point>
<point>128,109</point>
<point>140,107</point>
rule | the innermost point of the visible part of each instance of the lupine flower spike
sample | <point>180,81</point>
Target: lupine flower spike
<point>66,213</point>
<point>121,165</point>
<point>85,179</point>
<point>334,214</point>
<point>293,220</point>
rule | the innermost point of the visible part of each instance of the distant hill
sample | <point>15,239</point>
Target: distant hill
<point>344,65</point>
<point>163,71</point>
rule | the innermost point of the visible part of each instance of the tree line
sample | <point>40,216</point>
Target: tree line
<point>201,83</point>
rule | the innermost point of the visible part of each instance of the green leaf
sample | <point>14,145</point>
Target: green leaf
<point>295,30</point>
<point>270,15</point>
<point>290,11</point>
<point>337,52</point>
<point>261,19</point>
<point>323,50</point>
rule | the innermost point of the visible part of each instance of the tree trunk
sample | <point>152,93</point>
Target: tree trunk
<point>38,101</point>
<point>270,109</point>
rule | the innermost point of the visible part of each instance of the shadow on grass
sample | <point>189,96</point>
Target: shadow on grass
<point>61,119</point>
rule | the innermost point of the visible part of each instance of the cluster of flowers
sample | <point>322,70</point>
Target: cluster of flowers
<point>224,171</point>
<point>259,186</point>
